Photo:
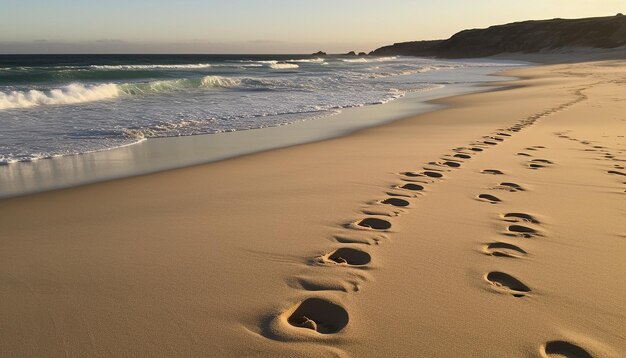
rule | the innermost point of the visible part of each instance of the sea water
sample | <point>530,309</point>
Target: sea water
<point>58,105</point>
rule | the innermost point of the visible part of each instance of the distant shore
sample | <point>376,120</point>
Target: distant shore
<point>561,37</point>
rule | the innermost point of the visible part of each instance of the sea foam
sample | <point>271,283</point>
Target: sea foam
<point>72,93</point>
<point>79,93</point>
<point>365,60</point>
<point>148,67</point>
<point>283,66</point>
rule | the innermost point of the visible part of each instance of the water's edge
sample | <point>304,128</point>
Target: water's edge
<point>159,154</point>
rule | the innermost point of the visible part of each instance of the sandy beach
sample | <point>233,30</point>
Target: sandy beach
<point>491,228</point>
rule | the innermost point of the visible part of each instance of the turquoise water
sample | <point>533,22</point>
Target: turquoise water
<point>59,105</point>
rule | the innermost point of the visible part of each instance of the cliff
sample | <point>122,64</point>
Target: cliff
<point>524,37</point>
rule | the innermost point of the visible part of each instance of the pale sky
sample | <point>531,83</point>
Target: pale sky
<point>255,26</point>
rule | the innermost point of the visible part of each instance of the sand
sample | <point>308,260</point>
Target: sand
<point>492,228</point>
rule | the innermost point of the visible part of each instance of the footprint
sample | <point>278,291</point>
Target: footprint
<point>508,284</point>
<point>523,231</point>
<point>348,256</point>
<point>524,154</point>
<point>503,134</point>
<point>512,187</point>
<point>452,164</point>
<point>516,217</point>
<point>563,349</point>
<point>490,143</point>
<point>503,249</point>
<point>395,202</point>
<point>489,198</point>
<point>432,174</point>
<point>615,172</point>
<point>375,223</point>
<point>492,172</point>
<point>475,149</point>
<point>463,156</point>
<point>412,174</point>
<point>319,315</point>
<point>411,186</point>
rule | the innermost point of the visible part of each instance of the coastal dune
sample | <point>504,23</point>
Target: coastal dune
<point>494,227</point>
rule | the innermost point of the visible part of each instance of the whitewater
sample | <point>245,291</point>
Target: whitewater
<point>64,105</point>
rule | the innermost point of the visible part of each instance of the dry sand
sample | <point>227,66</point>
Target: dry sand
<point>513,243</point>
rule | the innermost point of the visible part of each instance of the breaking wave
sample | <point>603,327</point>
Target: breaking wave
<point>365,60</point>
<point>283,66</point>
<point>309,60</point>
<point>179,84</point>
<point>70,94</point>
<point>79,93</point>
<point>148,67</point>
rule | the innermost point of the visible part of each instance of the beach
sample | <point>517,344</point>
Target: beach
<point>492,227</point>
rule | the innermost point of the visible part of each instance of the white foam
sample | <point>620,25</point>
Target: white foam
<point>79,93</point>
<point>285,63</point>
<point>219,81</point>
<point>163,129</point>
<point>282,66</point>
<point>73,93</point>
<point>148,67</point>
<point>355,60</point>
<point>364,60</point>
<point>309,60</point>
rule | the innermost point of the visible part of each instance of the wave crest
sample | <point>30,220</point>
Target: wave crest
<point>375,59</point>
<point>79,93</point>
<point>219,81</point>
<point>149,67</point>
<point>70,94</point>
<point>283,66</point>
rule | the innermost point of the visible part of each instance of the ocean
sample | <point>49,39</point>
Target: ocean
<point>58,105</point>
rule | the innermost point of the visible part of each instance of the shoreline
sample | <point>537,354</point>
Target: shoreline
<point>491,227</point>
<point>154,155</point>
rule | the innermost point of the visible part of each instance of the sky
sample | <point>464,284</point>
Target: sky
<point>256,26</point>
